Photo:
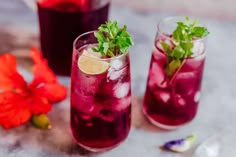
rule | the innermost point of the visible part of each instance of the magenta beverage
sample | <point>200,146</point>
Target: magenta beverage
<point>61,21</point>
<point>172,100</point>
<point>100,97</point>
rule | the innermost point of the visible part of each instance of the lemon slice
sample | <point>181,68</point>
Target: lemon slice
<point>90,64</point>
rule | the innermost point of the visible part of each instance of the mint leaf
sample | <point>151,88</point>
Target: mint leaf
<point>199,32</point>
<point>112,40</point>
<point>187,47</point>
<point>105,47</point>
<point>183,37</point>
<point>178,52</point>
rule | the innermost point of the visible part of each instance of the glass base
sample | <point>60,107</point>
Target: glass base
<point>96,150</point>
<point>162,126</point>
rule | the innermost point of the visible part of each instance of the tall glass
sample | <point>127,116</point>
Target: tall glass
<point>61,21</point>
<point>100,102</point>
<point>171,101</point>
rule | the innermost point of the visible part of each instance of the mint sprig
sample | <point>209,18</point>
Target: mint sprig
<point>112,40</point>
<point>183,37</point>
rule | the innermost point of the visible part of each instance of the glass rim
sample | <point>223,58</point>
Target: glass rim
<point>40,2</point>
<point>101,59</point>
<point>171,19</point>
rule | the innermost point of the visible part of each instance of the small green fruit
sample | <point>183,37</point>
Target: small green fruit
<point>41,121</point>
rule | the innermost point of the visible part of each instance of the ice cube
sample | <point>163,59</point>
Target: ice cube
<point>89,51</point>
<point>83,103</point>
<point>197,96</point>
<point>114,74</point>
<point>159,57</point>
<point>157,76</point>
<point>198,48</point>
<point>88,81</point>
<point>186,83</point>
<point>123,103</point>
<point>89,124</point>
<point>75,119</point>
<point>117,64</point>
<point>162,95</point>
<point>107,114</point>
<point>163,39</point>
<point>86,107</point>
<point>121,90</point>
<point>179,101</point>
<point>86,117</point>
<point>195,63</point>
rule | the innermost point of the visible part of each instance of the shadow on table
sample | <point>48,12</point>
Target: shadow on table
<point>139,121</point>
<point>58,140</point>
<point>54,142</point>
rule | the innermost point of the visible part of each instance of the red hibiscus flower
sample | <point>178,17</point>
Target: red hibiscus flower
<point>20,100</point>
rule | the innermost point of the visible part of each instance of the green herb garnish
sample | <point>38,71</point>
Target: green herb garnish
<point>183,37</point>
<point>112,40</point>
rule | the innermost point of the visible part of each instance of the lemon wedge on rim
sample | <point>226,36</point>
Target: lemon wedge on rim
<point>90,64</point>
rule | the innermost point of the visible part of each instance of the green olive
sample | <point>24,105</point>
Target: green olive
<point>41,121</point>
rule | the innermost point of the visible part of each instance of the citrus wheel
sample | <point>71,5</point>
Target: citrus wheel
<point>92,65</point>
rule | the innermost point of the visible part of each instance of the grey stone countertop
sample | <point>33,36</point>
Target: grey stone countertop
<point>217,109</point>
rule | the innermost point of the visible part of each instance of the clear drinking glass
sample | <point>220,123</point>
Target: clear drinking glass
<point>100,101</point>
<point>171,101</point>
<point>61,21</point>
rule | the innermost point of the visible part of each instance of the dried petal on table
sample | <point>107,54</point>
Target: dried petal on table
<point>180,145</point>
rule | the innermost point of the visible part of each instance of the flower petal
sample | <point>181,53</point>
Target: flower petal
<point>9,77</point>
<point>45,80</point>
<point>42,73</point>
<point>39,103</point>
<point>14,110</point>
<point>180,145</point>
<point>54,92</point>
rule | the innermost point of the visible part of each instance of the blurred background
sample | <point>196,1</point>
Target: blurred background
<point>217,9</point>
<point>19,31</point>
<point>17,20</point>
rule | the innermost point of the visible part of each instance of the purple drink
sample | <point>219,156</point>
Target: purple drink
<point>171,100</point>
<point>61,22</point>
<point>100,98</point>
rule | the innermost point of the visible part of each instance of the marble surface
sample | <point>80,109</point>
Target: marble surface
<point>19,30</point>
